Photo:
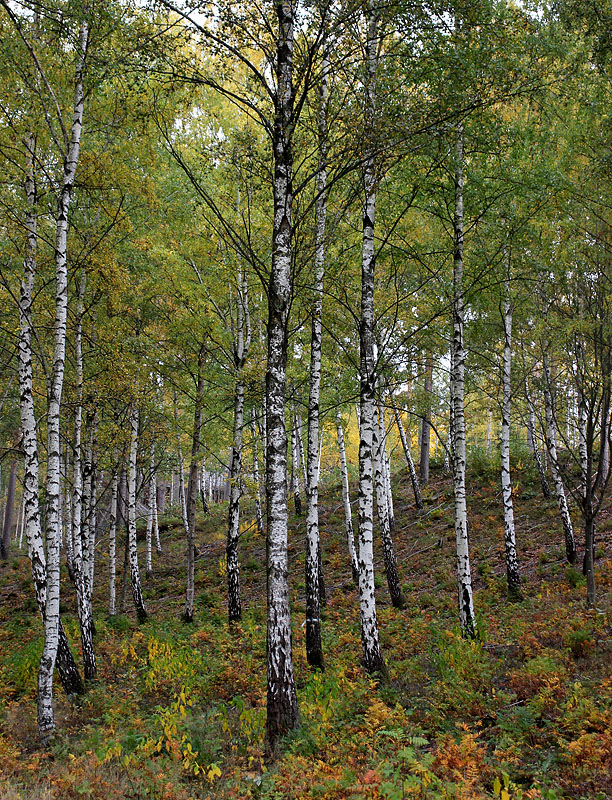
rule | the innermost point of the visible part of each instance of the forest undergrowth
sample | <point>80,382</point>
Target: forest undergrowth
<point>178,710</point>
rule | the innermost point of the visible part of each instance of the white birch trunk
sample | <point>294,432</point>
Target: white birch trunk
<point>414,480</point>
<point>158,547</point>
<point>314,647</point>
<point>139,605</point>
<point>112,545</point>
<point>346,500</point>
<point>190,582</point>
<point>68,671</point>
<point>512,567</point>
<point>372,657</point>
<point>152,491</point>
<point>256,479</point>
<point>464,578</point>
<point>282,707</point>
<point>395,589</point>
<point>234,607</point>
<point>533,439</point>
<point>386,462</point>
<point>46,721</point>
<point>551,447</point>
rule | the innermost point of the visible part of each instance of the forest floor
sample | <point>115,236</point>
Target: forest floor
<point>178,710</point>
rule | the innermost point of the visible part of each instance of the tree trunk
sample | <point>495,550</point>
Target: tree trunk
<point>426,424</point>
<point>464,578</point>
<point>234,608</point>
<point>8,511</point>
<point>256,480</point>
<point>46,721</point>
<point>282,707</point>
<point>533,439</point>
<point>314,647</point>
<point>112,545</point>
<point>68,671</point>
<point>346,500</point>
<point>372,657</point>
<point>196,442</point>
<point>295,468</point>
<point>416,489</point>
<point>150,513</point>
<point>386,461</point>
<point>512,567</point>
<point>395,589</point>
<point>139,605</point>
<point>551,446</point>
<point>190,582</point>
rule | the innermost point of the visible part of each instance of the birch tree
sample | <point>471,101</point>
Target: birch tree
<point>457,391</point>
<point>139,605</point>
<point>512,567</point>
<point>372,656</point>
<point>240,349</point>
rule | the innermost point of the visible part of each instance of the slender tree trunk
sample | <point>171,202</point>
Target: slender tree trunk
<point>190,583</point>
<point>139,605</point>
<point>346,500</point>
<point>386,461</point>
<point>605,444</point>
<point>426,424</point>
<point>256,480</point>
<point>234,608</point>
<point>551,446</point>
<point>589,566</point>
<point>112,545</point>
<point>158,547</point>
<point>68,671</point>
<point>8,511</point>
<point>533,438</point>
<point>196,442</point>
<point>282,707</point>
<point>295,468</point>
<point>46,721</point>
<point>314,647</point>
<point>150,514</point>
<point>464,577</point>
<point>395,589</point>
<point>372,657</point>
<point>68,519</point>
<point>414,480</point>
<point>512,567</point>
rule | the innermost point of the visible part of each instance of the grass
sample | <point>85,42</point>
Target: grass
<point>178,711</point>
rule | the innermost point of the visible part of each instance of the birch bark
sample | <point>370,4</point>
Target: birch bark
<point>551,447</point>
<point>150,513</point>
<point>395,589</point>
<point>346,501</point>
<point>112,545</point>
<point>282,708</point>
<point>256,480</point>
<point>190,582</point>
<point>196,442</point>
<point>67,669</point>
<point>426,423</point>
<point>414,480</point>
<point>512,568</point>
<point>533,439</point>
<point>464,577</point>
<point>46,721</point>
<point>240,350</point>
<point>314,647</point>
<point>139,605</point>
<point>372,657</point>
